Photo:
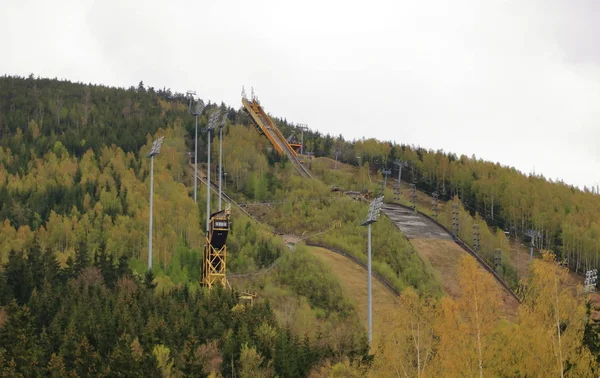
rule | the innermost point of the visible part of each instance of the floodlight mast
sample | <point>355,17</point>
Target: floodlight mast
<point>337,155</point>
<point>532,234</point>
<point>399,164</point>
<point>386,173</point>
<point>211,125</point>
<point>374,211</point>
<point>155,150</point>
<point>196,111</point>
<point>221,157</point>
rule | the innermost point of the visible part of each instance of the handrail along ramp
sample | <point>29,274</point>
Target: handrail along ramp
<point>267,127</point>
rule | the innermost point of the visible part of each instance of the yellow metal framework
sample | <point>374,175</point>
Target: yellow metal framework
<point>296,147</point>
<point>214,262</point>
<point>247,297</point>
<point>266,126</point>
<point>215,265</point>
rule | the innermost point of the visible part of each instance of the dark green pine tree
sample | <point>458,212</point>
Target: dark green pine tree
<point>19,280</point>
<point>286,357</point>
<point>123,363</point>
<point>87,360</point>
<point>18,341</point>
<point>105,263</point>
<point>56,367</point>
<point>8,368</point>
<point>190,363</point>
<point>149,282</point>
<point>82,258</point>
<point>52,268</point>
<point>68,346</point>
<point>591,335</point>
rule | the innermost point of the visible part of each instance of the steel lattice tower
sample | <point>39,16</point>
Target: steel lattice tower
<point>434,205</point>
<point>455,219</point>
<point>476,238</point>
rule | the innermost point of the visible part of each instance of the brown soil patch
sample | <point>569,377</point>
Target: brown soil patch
<point>353,279</point>
<point>444,257</point>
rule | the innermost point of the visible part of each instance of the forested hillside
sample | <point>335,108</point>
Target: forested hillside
<point>567,217</point>
<point>308,207</point>
<point>76,300</point>
<point>74,187</point>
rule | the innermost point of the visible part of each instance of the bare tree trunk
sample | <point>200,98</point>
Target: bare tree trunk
<point>560,359</point>
<point>479,348</point>
<point>492,203</point>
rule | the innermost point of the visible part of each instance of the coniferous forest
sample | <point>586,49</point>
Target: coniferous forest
<point>76,299</point>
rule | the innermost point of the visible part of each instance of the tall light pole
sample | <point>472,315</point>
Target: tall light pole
<point>191,95</point>
<point>302,127</point>
<point>221,155</point>
<point>386,173</point>
<point>212,123</point>
<point>374,211</point>
<point>532,234</point>
<point>196,111</point>
<point>155,150</point>
<point>360,170</point>
<point>399,164</point>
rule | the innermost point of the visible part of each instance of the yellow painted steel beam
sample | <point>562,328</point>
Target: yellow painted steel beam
<point>266,125</point>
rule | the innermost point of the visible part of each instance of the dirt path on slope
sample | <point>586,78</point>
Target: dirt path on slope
<point>353,279</point>
<point>436,246</point>
<point>444,256</point>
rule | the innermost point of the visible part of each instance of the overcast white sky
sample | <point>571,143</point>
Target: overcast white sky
<point>511,81</point>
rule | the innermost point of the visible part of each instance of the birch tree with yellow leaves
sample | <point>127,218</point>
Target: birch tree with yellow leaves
<point>408,345</point>
<point>552,320</point>
<point>468,327</point>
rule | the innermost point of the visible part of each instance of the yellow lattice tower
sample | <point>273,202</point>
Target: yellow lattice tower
<point>214,262</point>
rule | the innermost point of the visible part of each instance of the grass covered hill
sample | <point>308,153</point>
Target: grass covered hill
<point>75,298</point>
<point>506,199</point>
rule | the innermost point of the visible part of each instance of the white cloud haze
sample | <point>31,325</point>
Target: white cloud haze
<point>511,81</point>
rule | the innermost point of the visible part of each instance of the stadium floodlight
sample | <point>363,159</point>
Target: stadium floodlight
<point>213,121</point>
<point>156,145</point>
<point>190,94</point>
<point>591,278</point>
<point>155,150</point>
<point>374,211</point>
<point>196,111</point>
<point>372,217</point>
